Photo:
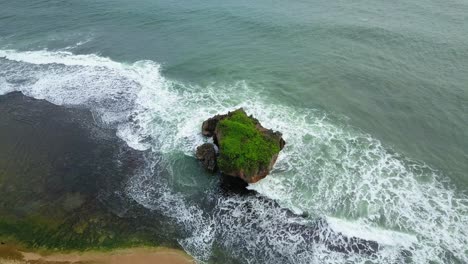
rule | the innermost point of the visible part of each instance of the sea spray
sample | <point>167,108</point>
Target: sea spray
<point>328,170</point>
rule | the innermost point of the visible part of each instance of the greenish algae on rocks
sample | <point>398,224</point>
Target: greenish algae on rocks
<point>62,180</point>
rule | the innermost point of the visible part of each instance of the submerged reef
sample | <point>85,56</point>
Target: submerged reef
<point>245,148</point>
<point>62,181</point>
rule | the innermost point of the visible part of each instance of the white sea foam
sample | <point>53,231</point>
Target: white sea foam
<point>362,230</point>
<point>327,169</point>
<point>333,170</point>
<point>60,57</point>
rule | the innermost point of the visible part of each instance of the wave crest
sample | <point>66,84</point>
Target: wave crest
<point>328,169</point>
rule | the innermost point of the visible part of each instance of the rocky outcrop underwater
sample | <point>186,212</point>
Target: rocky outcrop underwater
<point>63,178</point>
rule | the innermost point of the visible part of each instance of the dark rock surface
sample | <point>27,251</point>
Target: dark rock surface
<point>206,154</point>
<point>209,126</point>
<point>63,180</point>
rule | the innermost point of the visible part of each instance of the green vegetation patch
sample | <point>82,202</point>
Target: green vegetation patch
<point>41,233</point>
<point>242,146</point>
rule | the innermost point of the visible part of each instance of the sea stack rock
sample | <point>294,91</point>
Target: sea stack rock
<point>246,149</point>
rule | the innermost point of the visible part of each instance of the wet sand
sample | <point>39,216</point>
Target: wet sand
<point>13,255</point>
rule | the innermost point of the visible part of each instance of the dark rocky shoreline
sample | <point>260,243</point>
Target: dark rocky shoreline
<point>62,180</point>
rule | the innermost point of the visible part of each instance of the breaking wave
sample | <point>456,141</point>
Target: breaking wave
<point>328,170</point>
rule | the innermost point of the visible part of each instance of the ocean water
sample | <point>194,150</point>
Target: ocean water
<point>371,96</point>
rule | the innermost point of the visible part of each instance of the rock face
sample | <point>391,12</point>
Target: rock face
<point>206,154</point>
<point>246,149</point>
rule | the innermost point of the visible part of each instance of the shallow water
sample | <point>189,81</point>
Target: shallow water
<point>62,182</point>
<point>371,98</point>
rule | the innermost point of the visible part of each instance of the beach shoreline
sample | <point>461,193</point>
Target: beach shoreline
<point>13,254</point>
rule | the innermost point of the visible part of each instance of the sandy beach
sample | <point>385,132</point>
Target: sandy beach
<point>13,255</point>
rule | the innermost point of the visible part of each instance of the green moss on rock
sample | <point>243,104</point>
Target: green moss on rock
<point>242,146</point>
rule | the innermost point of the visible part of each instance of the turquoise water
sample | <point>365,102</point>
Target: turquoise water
<point>372,98</point>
